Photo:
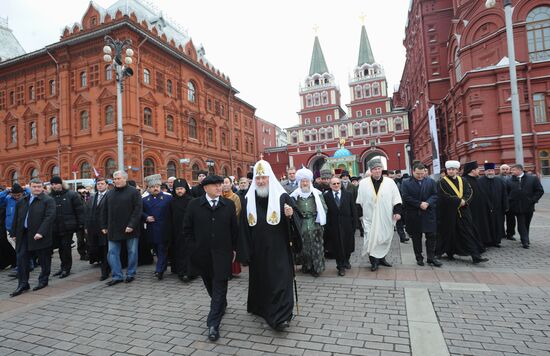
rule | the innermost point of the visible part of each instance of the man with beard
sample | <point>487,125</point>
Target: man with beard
<point>341,223</point>
<point>97,241</point>
<point>176,212</point>
<point>312,208</point>
<point>264,244</point>
<point>479,205</point>
<point>155,214</point>
<point>381,203</point>
<point>497,197</point>
<point>198,190</point>
<point>324,178</point>
<point>456,232</point>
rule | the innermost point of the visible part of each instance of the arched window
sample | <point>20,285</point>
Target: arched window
<point>458,67</point>
<point>110,167</point>
<point>224,142</point>
<point>192,128</point>
<point>544,158</point>
<point>399,124</point>
<point>309,100</point>
<point>343,131</point>
<point>313,135</point>
<point>317,99</point>
<point>13,134</point>
<point>365,129</point>
<point>322,134</point>
<point>383,126</point>
<point>329,133</point>
<point>169,87</point>
<point>195,171</point>
<point>294,136</point>
<point>84,120</point>
<point>225,171</point>
<point>32,131</point>
<point>52,87</point>
<point>170,123</point>
<point>358,92</point>
<point>211,170</point>
<point>14,177</point>
<point>108,72</point>
<point>147,117</point>
<point>85,170</point>
<point>171,169</point>
<point>191,92</point>
<point>374,127</point>
<point>33,174</point>
<point>148,167</point>
<point>237,146</point>
<point>324,97</point>
<point>83,79</point>
<point>31,93</point>
<point>53,126</point>
<point>357,129</point>
<point>375,89</point>
<point>367,90</point>
<point>210,135</point>
<point>109,115</point>
<point>538,33</point>
<point>146,76</point>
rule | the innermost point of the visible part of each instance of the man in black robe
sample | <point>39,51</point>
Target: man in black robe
<point>456,232</point>
<point>497,198</point>
<point>267,222</point>
<point>480,206</point>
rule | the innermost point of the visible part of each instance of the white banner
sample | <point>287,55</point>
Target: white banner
<point>435,142</point>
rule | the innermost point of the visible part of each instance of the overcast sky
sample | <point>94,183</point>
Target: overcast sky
<point>264,46</point>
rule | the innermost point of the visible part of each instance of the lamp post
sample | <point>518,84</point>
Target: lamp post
<point>516,117</point>
<point>113,53</point>
<point>210,163</point>
<point>398,160</point>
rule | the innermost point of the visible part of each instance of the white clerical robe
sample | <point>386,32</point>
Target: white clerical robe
<point>377,218</point>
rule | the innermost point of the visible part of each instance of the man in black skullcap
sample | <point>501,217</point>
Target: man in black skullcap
<point>479,205</point>
<point>497,198</point>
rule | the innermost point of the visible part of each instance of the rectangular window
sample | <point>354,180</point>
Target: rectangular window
<point>539,108</point>
<point>329,118</point>
<point>160,82</point>
<point>358,113</point>
<point>378,110</point>
<point>369,112</point>
<point>318,119</point>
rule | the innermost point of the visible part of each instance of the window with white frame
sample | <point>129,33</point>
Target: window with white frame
<point>537,24</point>
<point>358,113</point>
<point>324,98</point>
<point>317,119</point>
<point>378,110</point>
<point>329,118</point>
<point>539,108</point>
<point>358,92</point>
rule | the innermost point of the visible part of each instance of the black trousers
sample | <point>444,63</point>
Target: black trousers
<point>65,240</point>
<point>400,228</point>
<point>81,243</point>
<point>510,224</point>
<point>524,221</point>
<point>217,290</point>
<point>24,256</point>
<point>430,245</point>
<point>103,262</point>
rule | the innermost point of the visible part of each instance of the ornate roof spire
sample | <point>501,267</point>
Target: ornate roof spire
<point>318,64</point>
<point>365,52</point>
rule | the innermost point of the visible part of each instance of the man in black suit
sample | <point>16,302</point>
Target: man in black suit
<point>210,229</point>
<point>341,223</point>
<point>97,240</point>
<point>32,227</point>
<point>524,191</point>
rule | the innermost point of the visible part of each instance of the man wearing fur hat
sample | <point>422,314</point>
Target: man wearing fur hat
<point>457,235</point>
<point>495,189</point>
<point>266,230</point>
<point>381,203</point>
<point>155,214</point>
<point>311,205</point>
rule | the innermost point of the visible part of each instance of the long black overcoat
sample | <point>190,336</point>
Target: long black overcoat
<point>41,218</point>
<point>413,193</point>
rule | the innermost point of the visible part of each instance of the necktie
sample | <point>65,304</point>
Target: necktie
<point>213,204</point>
<point>27,216</point>
<point>99,197</point>
<point>337,198</point>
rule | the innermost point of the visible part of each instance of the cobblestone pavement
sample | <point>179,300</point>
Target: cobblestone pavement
<point>500,308</point>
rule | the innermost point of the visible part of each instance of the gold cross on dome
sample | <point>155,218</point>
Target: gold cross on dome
<point>362,18</point>
<point>316,29</point>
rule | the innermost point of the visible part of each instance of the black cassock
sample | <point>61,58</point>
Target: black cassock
<point>497,195</point>
<point>267,251</point>
<point>480,207</point>
<point>456,233</point>
<point>178,248</point>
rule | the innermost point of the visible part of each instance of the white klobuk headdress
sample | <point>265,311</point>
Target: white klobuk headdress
<point>263,169</point>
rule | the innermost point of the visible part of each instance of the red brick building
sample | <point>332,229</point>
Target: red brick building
<point>266,134</point>
<point>58,104</point>
<point>465,44</point>
<point>370,128</point>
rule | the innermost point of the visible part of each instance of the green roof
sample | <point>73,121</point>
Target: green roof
<point>318,64</point>
<point>365,52</point>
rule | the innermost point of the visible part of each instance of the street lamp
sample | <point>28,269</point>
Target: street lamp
<point>516,117</point>
<point>210,163</point>
<point>113,53</point>
<point>398,160</point>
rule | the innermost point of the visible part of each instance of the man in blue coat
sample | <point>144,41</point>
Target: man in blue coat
<point>420,199</point>
<point>155,214</point>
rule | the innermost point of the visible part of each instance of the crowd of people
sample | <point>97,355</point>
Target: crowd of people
<point>215,227</point>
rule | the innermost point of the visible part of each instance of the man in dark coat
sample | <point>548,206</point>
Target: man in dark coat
<point>497,198</point>
<point>120,221</point>
<point>456,232</point>
<point>69,219</point>
<point>210,226</point>
<point>198,190</point>
<point>524,191</point>
<point>32,231</point>
<point>341,223</point>
<point>419,195</point>
<point>479,204</point>
<point>97,241</point>
<point>510,217</point>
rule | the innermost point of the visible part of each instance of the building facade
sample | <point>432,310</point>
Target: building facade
<point>370,128</point>
<point>58,104</point>
<point>473,103</point>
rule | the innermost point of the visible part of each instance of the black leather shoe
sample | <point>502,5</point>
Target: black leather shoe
<point>112,282</point>
<point>129,279</point>
<point>58,273</point>
<point>341,272</point>
<point>282,326</point>
<point>404,240</point>
<point>383,262</point>
<point>159,275</point>
<point>435,263</point>
<point>12,275</point>
<point>40,286</point>
<point>420,263</point>
<point>374,266</point>
<point>511,238</point>
<point>184,278</point>
<point>102,278</point>
<point>213,333</point>
<point>64,274</point>
<point>20,290</point>
<point>347,265</point>
<point>477,260</point>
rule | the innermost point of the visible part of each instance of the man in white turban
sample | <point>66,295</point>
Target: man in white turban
<point>311,205</point>
<point>266,227</point>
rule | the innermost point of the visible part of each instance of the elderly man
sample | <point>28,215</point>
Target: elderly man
<point>455,225</point>
<point>266,227</point>
<point>380,200</point>
<point>291,183</point>
<point>311,205</point>
<point>170,184</point>
<point>497,195</point>
<point>155,214</point>
<point>120,221</point>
